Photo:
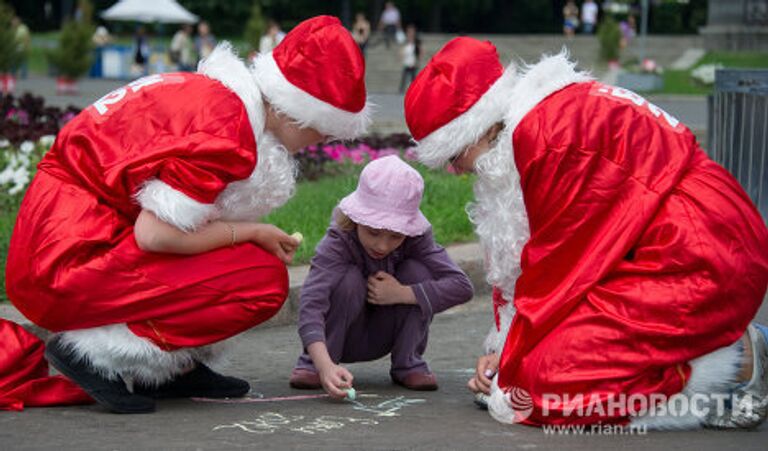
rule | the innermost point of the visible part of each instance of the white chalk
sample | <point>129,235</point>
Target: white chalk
<point>489,372</point>
<point>298,237</point>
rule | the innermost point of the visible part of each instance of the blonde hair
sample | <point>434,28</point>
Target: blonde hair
<point>343,222</point>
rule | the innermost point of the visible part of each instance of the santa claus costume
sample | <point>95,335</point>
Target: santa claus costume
<point>624,261</point>
<point>190,148</point>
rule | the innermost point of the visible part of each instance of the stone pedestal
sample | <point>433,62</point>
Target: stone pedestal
<point>736,25</point>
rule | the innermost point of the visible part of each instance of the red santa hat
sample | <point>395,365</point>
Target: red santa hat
<point>316,76</point>
<point>456,98</point>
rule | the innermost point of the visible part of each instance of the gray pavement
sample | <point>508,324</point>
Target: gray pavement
<point>387,417</point>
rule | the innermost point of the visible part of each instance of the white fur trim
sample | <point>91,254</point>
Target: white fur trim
<point>115,352</point>
<point>173,206</point>
<point>435,149</point>
<point>224,66</point>
<point>494,341</point>
<point>713,373</point>
<point>272,181</point>
<point>302,107</point>
<point>549,75</point>
<point>270,185</point>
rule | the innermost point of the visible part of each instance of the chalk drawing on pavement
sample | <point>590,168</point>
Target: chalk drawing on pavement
<point>271,422</point>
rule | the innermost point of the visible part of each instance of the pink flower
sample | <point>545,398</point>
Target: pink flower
<point>410,153</point>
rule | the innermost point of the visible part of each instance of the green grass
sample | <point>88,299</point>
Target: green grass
<point>680,81</point>
<point>309,211</point>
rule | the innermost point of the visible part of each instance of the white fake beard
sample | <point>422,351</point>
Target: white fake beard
<point>499,214</point>
<point>271,184</point>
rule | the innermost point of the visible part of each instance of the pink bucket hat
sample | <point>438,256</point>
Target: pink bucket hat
<point>387,197</point>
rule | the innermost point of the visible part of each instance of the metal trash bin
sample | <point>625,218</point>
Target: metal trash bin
<point>738,129</point>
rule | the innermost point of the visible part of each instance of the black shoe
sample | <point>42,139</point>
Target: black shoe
<point>111,394</point>
<point>202,382</point>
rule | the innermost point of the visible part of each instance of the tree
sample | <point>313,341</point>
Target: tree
<point>254,29</point>
<point>609,35</point>
<point>74,55</point>
<point>10,54</point>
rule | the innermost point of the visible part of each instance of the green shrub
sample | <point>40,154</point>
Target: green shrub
<point>254,29</point>
<point>74,56</point>
<point>10,54</point>
<point>609,35</point>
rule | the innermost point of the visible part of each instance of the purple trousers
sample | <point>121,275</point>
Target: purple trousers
<point>356,331</point>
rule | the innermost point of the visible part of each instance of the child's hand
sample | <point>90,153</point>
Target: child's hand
<point>487,366</point>
<point>384,289</point>
<point>336,379</point>
<point>274,240</point>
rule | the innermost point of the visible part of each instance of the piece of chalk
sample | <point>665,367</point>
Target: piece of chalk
<point>351,394</point>
<point>488,372</point>
<point>298,237</point>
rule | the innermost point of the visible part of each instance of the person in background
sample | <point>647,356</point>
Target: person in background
<point>589,12</point>
<point>22,42</point>
<point>205,42</point>
<point>361,31</point>
<point>141,52</point>
<point>100,40</point>
<point>389,23</point>
<point>570,18</point>
<point>182,51</point>
<point>628,29</point>
<point>411,52</point>
<point>271,38</point>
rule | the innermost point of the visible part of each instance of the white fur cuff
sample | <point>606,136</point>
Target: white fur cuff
<point>114,351</point>
<point>174,207</point>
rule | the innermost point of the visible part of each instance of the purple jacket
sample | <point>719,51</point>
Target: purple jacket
<point>339,249</point>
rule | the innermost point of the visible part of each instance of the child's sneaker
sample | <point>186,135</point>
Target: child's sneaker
<point>750,401</point>
<point>305,379</point>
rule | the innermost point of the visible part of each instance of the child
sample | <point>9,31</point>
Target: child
<point>376,281</point>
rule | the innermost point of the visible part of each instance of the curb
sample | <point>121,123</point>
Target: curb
<point>468,256</point>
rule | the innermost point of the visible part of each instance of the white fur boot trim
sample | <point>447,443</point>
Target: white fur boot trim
<point>711,374</point>
<point>116,352</point>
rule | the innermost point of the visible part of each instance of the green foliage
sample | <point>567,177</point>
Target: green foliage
<point>609,35</point>
<point>74,55</point>
<point>10,54</point>
<point>254,29</point>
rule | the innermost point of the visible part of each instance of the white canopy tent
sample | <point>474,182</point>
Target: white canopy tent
<point>149,11</point>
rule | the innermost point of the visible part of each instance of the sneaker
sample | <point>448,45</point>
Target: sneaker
<point>112,394</point>
<point>305,379</point>
<point>417,381</point>
<point>750,401</point>
<point>201,382</point>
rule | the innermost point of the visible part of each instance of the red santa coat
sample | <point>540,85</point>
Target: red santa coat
<point>643,253</point>
<point>169,143</point>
